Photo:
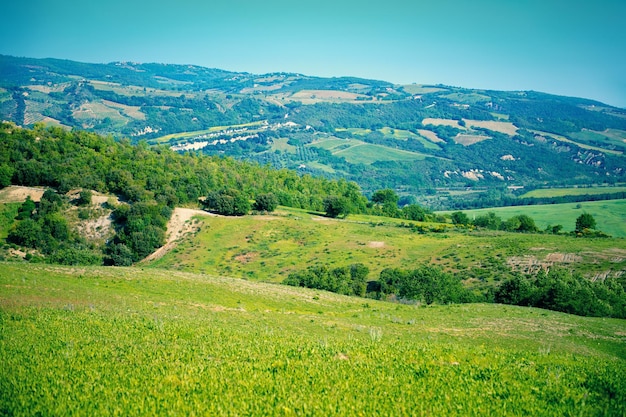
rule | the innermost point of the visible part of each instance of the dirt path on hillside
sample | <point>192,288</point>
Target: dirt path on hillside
<point>179,225</point>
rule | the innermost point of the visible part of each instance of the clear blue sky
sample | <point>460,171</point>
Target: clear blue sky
<point>574,47</point>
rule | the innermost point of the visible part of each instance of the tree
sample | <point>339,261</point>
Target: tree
<point>26,233</point>
<point>26,209</point>
<point>527,224</point>
<point>228,202</point>
<point>458,217</point>
<point>265,202</point>
<point>414,212</point>
<point>84,198</point>
<point>585,221</point>
<point>6,173</point>
<point>385,196</point>
<point>387,199</point>
<point>488,221</point>
<point>336,206</point>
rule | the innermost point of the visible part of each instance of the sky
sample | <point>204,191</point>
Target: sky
<point>573,48</point>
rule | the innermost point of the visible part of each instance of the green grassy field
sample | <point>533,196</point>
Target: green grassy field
<point>561,192</point>
<point>358,152</point>
<point>610,215</point>
<point>127,341</point>
<point>268,248</point>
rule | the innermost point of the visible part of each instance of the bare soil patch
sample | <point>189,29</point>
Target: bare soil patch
<point>179,225</point>
<point>17,194</point>
<point>376,244</point>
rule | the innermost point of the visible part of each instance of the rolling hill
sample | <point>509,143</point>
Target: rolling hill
<point>419,140</point>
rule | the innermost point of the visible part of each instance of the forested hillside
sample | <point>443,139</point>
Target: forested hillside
<point>150,180</point>
<point>425,142</point>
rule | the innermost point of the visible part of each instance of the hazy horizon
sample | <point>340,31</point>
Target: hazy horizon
<point>570,48</point>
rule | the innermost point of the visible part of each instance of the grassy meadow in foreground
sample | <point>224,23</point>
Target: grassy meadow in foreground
<point>127,341</point>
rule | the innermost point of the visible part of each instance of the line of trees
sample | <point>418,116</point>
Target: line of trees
<point>562,290</point>
<point>347,280</point>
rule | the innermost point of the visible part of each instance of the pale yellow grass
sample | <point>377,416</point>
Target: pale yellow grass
<point>467,140</point>
<point>507,128</point>
<point>131,111</point>
<point>326,94</point>
<point>442,122</point>
<point>430,135</point>
<point>17,194</point>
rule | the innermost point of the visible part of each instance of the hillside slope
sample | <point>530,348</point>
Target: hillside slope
<point>415,139</point>
<point>134,342</point>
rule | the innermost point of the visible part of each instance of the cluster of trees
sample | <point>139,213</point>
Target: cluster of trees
<point>561,290</point>
<point>347,280</point>
<point>427,284</point>
<point>140,230</point>
<point>230,202</point>
<point>43,227</point>
<point>585,224</point>
<point>65,160</point>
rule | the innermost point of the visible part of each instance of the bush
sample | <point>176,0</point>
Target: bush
<point>351,280</point>
<point>228,202</point>
<point>265,202</point>
<point>84,198</point>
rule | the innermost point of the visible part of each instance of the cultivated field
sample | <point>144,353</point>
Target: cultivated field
<point>356,151</point>
<point>610,214</point>
<point>468,140</point>
<point>562,192</point>
<point>127,341</point>
<point>577,143</point>
<point>503,127</point>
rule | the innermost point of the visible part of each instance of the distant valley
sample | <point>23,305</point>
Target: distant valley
<point>433,144</point>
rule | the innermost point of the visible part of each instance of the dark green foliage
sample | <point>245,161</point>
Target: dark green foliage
<point>26,209</point>
<point>458,217</point>
<point>351,280</point>
<point>141,230</point>
<point>521,223</point>
<point>84,198</point>
<point>51,202</point>
<point>265,202</point>
<point>488,221</point>
<point>228,202</point>
<point>26,233</point>
<point>118,254</point>
<point>6,173</point>
<point>585,221</point>
<point>425,283</point>
<point>385,196</point>
<point>561,290</point>
<point>414,212</point>
<point>337,206</point>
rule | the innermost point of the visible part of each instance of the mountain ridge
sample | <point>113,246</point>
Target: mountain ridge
<point>417,139</point>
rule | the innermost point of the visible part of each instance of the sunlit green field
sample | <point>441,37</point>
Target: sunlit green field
<point>561,192</point>
<point>610,215</point>
<point>124,341</point>
<point>358,152</point>
<point>270,247</point>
